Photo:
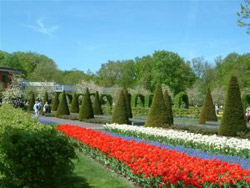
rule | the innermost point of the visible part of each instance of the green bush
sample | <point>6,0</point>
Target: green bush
<point>233,119</point>
<point>106,99</point>
<point>32,101</point>
<point>35,158</point>
<point>148,100</point>
<point>168,102</point>
<point>208,109</point>
<point>97,105</point>
<point>138,100</point>
<point>181,100</point>
<point>63,108</point>
<point>120,115</point>
<point>158,116</point>
<point>55,102</point>
<point>86,110</point>
<point>74,107</point>
<point>128,103</point>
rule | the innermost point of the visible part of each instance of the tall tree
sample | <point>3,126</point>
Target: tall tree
<point>233,119</point>
<point>128,103</point>
<point>31,101</point>
<point>168,102</point>
<point>55,102</point>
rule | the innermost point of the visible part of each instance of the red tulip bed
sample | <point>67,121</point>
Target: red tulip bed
<point>152,166</point>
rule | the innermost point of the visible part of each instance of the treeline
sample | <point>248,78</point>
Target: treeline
<point>145,72</point>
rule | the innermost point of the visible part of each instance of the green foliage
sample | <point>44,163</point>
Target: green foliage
<point>128,103</point>
<point>106,99</point>
<point>55,102</point>
<point>31,101</point>
<point>158,116</point>
<point>31,154</point>
<point>233,120</point>
<point>168,102</point>
<point>46,97</point>
<point>97,105</point>
<point>181,100</point>
<point>244,15</point>
<point>138,100</point>
<point>120,114</point>
<point>74,108</point>
<point>245,100</point>
<point>63,108</point>
<point>170,69</point>
<point>208,109</point>
<point>148,100</point>
<point>86,110</point>
<point>35,158</point>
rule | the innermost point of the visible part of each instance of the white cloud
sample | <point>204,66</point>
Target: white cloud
<point>42,28</point>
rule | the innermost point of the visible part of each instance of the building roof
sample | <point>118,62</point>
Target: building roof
<point>10,70</point>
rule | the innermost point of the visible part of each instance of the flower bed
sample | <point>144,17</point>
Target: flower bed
<point>152,166</point>
<point>212,143</point>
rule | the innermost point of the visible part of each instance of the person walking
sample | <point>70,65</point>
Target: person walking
<point>248,114</point>
<point>36,109</point>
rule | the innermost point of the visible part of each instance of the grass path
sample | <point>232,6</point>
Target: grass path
<point>96,176</point>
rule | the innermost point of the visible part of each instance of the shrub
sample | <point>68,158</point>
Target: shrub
<point>31,102</point>
<point>148,100</point>
<point>63,108</point>
<point>74,108</point>
<point>35,158</point>
<point>128,103</point>
<point>181,100</point>
<point>138,100</point>
<point>86,110</point>
<point>108,101</point>
<point>168,102</point>
<point>120,114</point>
<point>55,102</point>
<point>158,116</point>
<point>233,119</point>
<point>97,105</point>
<point>208,109</point>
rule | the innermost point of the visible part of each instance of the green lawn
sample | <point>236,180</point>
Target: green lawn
<point>95,175</point>
<point>90,174</point>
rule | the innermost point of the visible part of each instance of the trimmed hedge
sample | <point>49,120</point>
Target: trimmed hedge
<point>63,108</point>
<point>208,109</point>
<point>86,110</point>
<point>74,107</point>
<point>168,102</point>
<point>158,116</point>
<point>109,99</point>
<point>32,101</point>
<point>233,119</point>
<point>148,100</point>
<point>55,102</point>
<point>181,100</point>
<point>97,105</point>
<point>120,115</point>
<point>138,100</point>
<point>128,103</point>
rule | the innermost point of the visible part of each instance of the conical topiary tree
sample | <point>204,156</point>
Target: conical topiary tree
<point>168,102</point>
<point>233,119</point>
<point>158,114</point>
<point>128,103</point>
<point>45,99</point>
<point>74,108</point>
<point>86,110</point>
<point>208,109</point>
<point>55,102</point>
<point>63,108</point>
<point>120,114</point>
<point>32,101</point>
<point>97,105</point>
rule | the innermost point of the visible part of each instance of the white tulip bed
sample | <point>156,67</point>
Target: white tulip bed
<point>211,143</point>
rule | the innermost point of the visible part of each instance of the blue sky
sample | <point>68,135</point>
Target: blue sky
<point>85,34</point>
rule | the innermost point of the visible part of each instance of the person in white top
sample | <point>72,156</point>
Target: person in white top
<point>36,109</point>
